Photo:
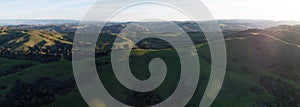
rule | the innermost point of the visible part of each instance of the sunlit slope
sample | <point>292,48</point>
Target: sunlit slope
<point>24,40</point>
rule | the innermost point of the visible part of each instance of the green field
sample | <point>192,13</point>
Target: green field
<point>236,90</point>
<point>262,71</point>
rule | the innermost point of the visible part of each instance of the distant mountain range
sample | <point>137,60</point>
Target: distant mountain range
<point>234,24</point>
<point>48,38</point>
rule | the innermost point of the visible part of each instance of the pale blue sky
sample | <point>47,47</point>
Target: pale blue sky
<point>221,9</point>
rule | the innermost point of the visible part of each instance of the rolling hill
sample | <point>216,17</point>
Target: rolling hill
<point>24,40</point>
<point>263,70</point>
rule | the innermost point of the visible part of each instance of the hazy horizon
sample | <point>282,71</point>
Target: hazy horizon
<point>49,19</point>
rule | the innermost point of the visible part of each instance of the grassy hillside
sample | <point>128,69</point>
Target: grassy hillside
<point>262,70</point>
<point>24,40</point>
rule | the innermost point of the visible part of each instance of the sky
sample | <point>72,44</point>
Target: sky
<point>221,9</point>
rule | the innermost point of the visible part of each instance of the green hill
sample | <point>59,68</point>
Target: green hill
<point>24,40</point>
<point>262,69</point>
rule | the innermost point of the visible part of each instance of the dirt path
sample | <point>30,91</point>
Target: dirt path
<point>280,40</point>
